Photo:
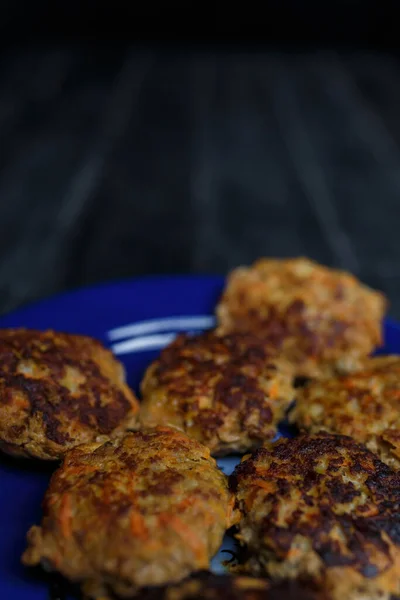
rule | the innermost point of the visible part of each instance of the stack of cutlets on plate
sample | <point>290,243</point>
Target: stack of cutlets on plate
<point>138,506</point>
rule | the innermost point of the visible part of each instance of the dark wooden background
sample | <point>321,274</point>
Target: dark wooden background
<point>121,159</point>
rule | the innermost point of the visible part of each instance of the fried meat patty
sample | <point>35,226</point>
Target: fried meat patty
<point>324,320</point>
<point>145,509</point>
<point>225,587</point>
<point>227,392</point>
<point>325,507</point>
<point>364,405</point>
<point>57,391</point>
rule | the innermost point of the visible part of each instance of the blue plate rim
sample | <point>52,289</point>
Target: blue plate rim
<point>118,283</point>
<point>111,283</point>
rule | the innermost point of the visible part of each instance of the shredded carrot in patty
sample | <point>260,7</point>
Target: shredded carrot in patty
<point>81,470</point>
<point>294,553</point>
<point>65,517</point>
<point>187,534</point>
<point>268,486</point>
<point>274,390</point>
<point>186,503</point>
<point>233,514</point>
<point>20,402</point>
<point>138,526</point>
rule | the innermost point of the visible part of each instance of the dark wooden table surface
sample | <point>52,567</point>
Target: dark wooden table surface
<point>116,162</point>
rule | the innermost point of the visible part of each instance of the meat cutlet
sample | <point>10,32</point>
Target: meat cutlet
<point>323,507</point>
<point>148,508</point>
<point>57,391</point>
<point>323,319</point>
<point>227,392</point>
<point>363,405</point>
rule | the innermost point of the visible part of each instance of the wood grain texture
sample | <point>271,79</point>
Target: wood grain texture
<point>119,161</point>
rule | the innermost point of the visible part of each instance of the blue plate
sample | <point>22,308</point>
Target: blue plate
<point>135,318</point>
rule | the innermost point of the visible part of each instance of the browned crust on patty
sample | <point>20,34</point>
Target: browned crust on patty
<point>148,508</point>
<point>227,392</point>
<point>207,586</point>
<point>364,405</point>
<point>59,390</point>
<point>324,320</point>
<point>322,506</point>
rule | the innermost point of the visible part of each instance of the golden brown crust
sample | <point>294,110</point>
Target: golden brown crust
<point>227,392</point>
<point>207,586</point>
<point>148,508</point>
<point>58,390</point>
<point>322,506</point>
<point>324,320</point>
<point>364,405</point>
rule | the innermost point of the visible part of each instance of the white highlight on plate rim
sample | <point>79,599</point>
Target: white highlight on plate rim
<point>179,323</point>
<point>147,342</point>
